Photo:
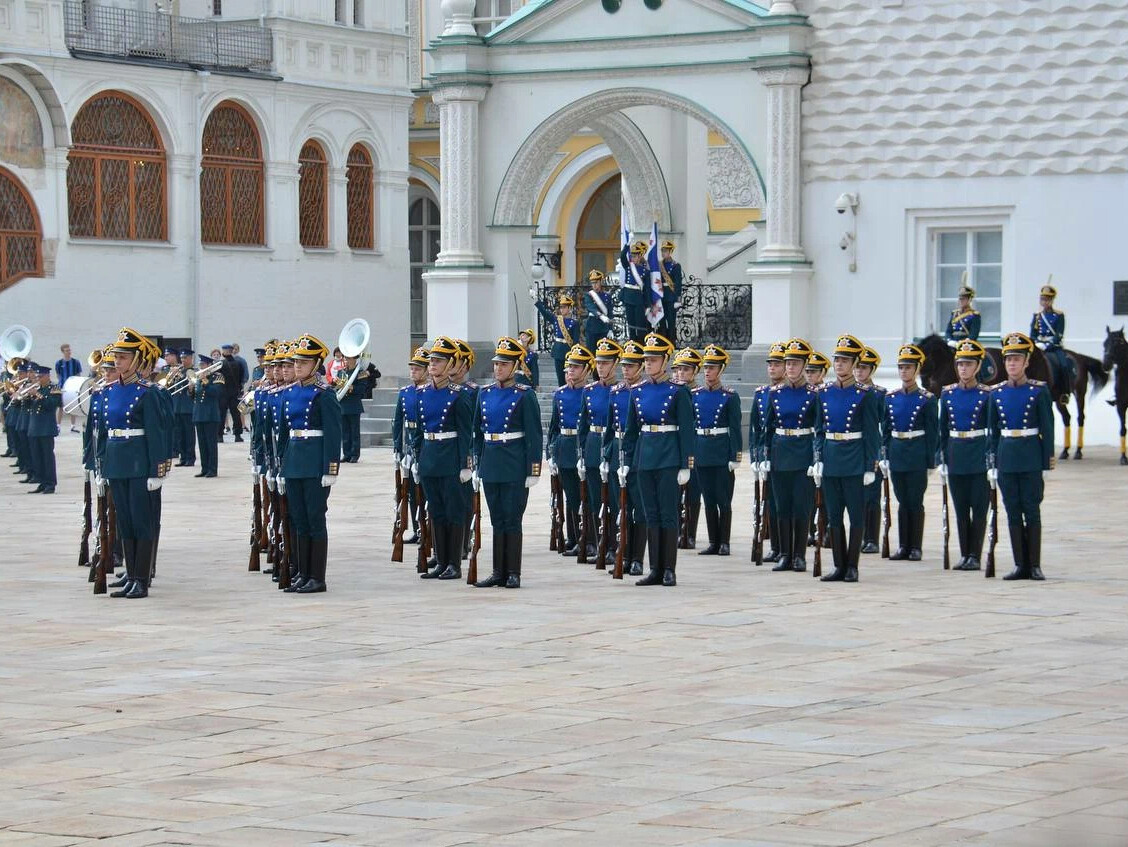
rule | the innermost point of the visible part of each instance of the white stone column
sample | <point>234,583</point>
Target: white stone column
<point>458,171</point>
<point>338,210</point>
<point>784,239</point>
<point>783,7</point>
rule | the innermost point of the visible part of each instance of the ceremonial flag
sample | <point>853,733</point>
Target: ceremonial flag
<point>655,313</point>
<point>624,239</point>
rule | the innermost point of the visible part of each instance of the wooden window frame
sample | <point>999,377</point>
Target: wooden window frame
<point>228,165</point>
<point>318,238</point>
<point>36,233</point>
<point>362,232</point>
<point>612,243</point>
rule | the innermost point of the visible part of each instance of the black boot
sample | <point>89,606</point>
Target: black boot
<point>297,562</point>
<point>975,530</point>
<point>126,582</point>
<point>669,542</point>
<point>963,533</point>
<point>654,543</point>
<point>438,545</point>
<point>1018,551</point>
<point>639,537</point>
<point>838,551</point>
<point>726,531</point>
<point>872,524</point>
<point>785,529</point>
<point>317,550</point>
<point>712,524</point>
<point>571,521</point>
<point>903,543</point>
<point>453,569</point>
<point>798,545</point>
<point>773,535</point>
<point>142,557</point>
<point>498,554</point>
<point>693,514</point>
<point>513,544</point>
<point>467,537</point>
<point>853,553</point>
<point>1034,551</point>
<point>916,538</point>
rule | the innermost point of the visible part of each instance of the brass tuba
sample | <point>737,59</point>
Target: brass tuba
<point>15,345</point>
<point>353,342</point>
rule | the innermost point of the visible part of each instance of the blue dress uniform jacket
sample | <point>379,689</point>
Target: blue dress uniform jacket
<point>565,331</point>
<point>260,427</point>
<point>361,389</point>
<point>441,410</point>
<point>1048,328</point>
<point>595,417</point>
<point>757,424</point>
<point>964,420</point>
<point>207,399</point>
<point>182,402</point>
<point>910,432</point>
<point>797,412</point>
<point>594,327</point>
<point>501,413</point>
<point>310,406</point>
<point>563,426</point>
<point>851,411</point>
<point>716,410</point>
<point>532,367</point>
<point>1022,427</point>
<point>41,412</point>
<point>134,445</point>
<point>963,325</point>
<point>403,419</point>
<point>660,404</point>
<point>90,446</point>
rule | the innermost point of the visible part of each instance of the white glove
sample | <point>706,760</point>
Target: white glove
<point>1041,345</point>
<point>581,471</point>
<point>952,343</point>
<point>476,481</point>
<point>100,484</point>
<point>553,470</point>
<point>282,485</point>
<point>530,481</point>
<point>397,458</point>
<point>883,466</point>
<point>1045,474</point>
<point>765,468</point>
<point>868,477</point>
<point>815,472</point>
<point>604,470</point>
<point>732,467</point>
<point>465,474</point>
<point>328,479</point>
<point>90,476</point>
<point>271,485</point>
<point>256,474</point>
<point>407,463</point>
<point>944,472</point>
<point>605,319</point>
<point>623,471</point>
<point>683,476</point>
<point>993,476</point>
<point>153,483</point>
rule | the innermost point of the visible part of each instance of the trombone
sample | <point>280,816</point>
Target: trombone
<point>94,361</point>
<point>193,378</point>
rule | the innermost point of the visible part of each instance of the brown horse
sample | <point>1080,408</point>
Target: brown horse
<point>1116,356</point>
<point>940,370</point>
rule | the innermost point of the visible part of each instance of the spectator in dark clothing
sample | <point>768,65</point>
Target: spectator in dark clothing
<point>233,380</point>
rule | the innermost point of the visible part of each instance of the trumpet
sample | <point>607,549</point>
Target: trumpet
<point>75,404</point>
<point>167,380</point>
<point>194,377</point>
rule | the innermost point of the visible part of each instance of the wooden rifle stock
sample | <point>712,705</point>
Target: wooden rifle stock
<point>255,563</point>
<point>98,565</point>
<point>886,518</point>
<point>758,515</point>
<point>820,531</point>
<point>264,517</point>
<point>472,569</point>
<point>557,529</point>
<point>585,524</point>
<point>604,527</point>
<point>947,531</point>
<point>424,532</point>
<point>992,535</point>
<point>624,527</point>
<point>284,542</point>
<point>84,544</point>
<point>683,518</point>
<point>401,517</point>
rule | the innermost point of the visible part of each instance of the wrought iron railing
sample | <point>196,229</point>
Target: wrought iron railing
<point>130,35</point>
<point>707,313</point>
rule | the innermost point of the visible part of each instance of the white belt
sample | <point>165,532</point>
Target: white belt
<point>1019,433</point>
<point>409,424</point>
<point>968,433</point>
<point>596,429</point>
<point>843,436</point>
<point>306,433</point>
<point>660,428</point>
<point>795,432</point>
<point>569,431</point>
<point>908,434</point>
<point>717,430</point>
<point>439,436</point>
<point>503,436</point>
<point>126,433</point>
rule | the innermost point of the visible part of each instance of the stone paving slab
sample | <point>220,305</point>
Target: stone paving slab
<point>917,707</point>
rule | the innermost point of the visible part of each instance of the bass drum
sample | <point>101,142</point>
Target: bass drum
<point>74,386</point>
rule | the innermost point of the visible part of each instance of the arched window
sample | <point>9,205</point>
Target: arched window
<point>359,174</point>
<point>597,237</point>
<point>116,172</point>
<point>21,253</point>
<point>313,196</point>
<point>231,192</point>
<point>423,231</point>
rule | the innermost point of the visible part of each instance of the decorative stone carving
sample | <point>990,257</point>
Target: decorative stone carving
<point>783,7</point>
<point>732,185</point>
<point>456,17</point>
<point>646,195</point>
<point>430,113</point>
<point>458,171</point>
<point>783,236</point>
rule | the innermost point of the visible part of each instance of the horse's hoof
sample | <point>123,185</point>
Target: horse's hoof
<point>1064,454</point>
<point>1077,454</point>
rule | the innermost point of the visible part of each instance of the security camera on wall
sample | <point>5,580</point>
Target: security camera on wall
<point>846,200</point>
<point>845,240</point>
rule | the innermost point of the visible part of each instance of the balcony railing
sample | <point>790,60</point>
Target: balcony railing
<point>153,37</point>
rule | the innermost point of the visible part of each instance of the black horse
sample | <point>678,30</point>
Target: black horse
<point>940,370</point>
<point>1116,356</point>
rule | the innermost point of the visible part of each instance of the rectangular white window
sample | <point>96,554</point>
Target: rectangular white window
<point>980,253</point>
<point>490,13</point>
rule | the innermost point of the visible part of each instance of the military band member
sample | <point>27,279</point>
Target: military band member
<point>910,436</point>
<point>864,369</point>
<point>848,444</point>
<point>671,293</point>
<point>25,464</point>
<point>788,450</point>
<point>595,417</point>
<point>964,322</point>
<point>441,447</point>
<point>563,447</point>
<point>659,436</point>
<point>1047,330</point>
<point>528,369</point>
<point>182,409</point>
<point>42,429</point>
<point>310,446</point>
<point>717,449</point>
<point>134,462</point>
<point>352,407</point>
<point>507,447</point>
<point>757,446</point>
<point>964,443</point>
<point>565,331</point>
<point>686,364</point>
<point>634,293</point>
<point>1022,435</point>
<point>632,523</point>
<point>403,427</point>
<point>599,307</point>
<point>207,399</point>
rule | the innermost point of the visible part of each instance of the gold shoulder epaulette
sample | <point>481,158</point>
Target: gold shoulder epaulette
<point>775,387</point>
<point>950,387</point>
<point>218,378</point>
<point>862,386</point>
<point>522,386</point>
<point>697,388</point>
<point>926,393</point>
<point>454,386</point>
<point>1036,381</point>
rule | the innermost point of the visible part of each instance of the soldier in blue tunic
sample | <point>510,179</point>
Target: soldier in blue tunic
<point>864,369</point>
<point>563,444</point>
<point>964,322</point>
<point>461,376</point>
<point>1022,439</point>
<point>659,436</point>
<point>1047,329</point>
<point>352,406</point>
<point>757,445</point>
<point>167,427</point>
<point>528,370</point>
<point>507,456</point>
<point>599,307</point>
<point>786,446</point>
<point>964,407</point>
<point>42,429</point>
<point>686,364</point>
<point>671,293</point>
<point>275,483</point>
<point>816,368</point>
<point>134,460</point>
<point>310,446</point>
<point>632,523</point>
<point>565,331</point>
<point>634,293</point>
<point>717,450</point>
<point>262,438</point>
<point>848,445</point>
<point>440,445</point>
<point>182,410</point>
<point>403,427</point>
<point>207,398</point>
<point>595,416</point>
<point>910,436</point>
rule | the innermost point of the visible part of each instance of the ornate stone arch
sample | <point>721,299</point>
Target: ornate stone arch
<point>517,193</point>
<point>646,184</point>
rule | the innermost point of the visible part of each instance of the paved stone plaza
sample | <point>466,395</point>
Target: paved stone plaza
<point>741,708</point>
